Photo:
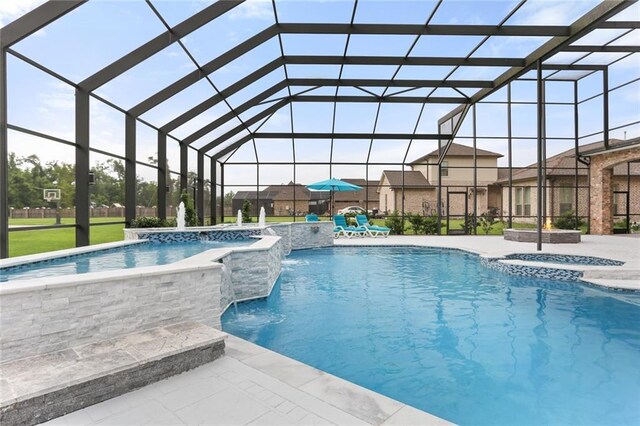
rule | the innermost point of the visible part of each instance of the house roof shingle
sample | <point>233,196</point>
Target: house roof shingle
<point>457,150</point>
<point>411,178</point>
<point>563,164</point>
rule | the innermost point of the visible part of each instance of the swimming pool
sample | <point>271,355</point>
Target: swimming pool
<point>123,257</point>
<point>435,329</point>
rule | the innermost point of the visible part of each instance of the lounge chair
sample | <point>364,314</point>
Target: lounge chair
<point>312,217</point>
<point>373,230</point>
<point>342,228</point>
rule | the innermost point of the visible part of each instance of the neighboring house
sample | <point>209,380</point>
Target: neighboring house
<point>278,200</point>
<point>257,199</point>
<point>560,183</point>
<point>291,200</point>
<point>367,197</point>
<point>419,194</point>
<point>421,183</point>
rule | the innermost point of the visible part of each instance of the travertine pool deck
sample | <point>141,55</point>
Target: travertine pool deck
<point>250,385</point>
<point>624,248</point>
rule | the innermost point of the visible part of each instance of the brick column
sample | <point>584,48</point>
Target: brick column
<point>601,200</point>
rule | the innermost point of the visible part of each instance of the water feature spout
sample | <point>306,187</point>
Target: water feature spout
<point>263,217</point>
<point>180,216</point>
<point>239,221</point>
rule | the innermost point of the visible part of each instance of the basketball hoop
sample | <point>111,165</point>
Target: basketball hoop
<point>51,195</point>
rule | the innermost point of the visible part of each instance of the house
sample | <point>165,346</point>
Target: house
<point>421,182</point>
<point>291,200</point>
<point>279,200</point>
<point>419,194</point>
<point>367,197</point>
<point>560,184</point>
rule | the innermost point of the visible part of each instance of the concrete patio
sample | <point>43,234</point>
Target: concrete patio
<point>251,385</point>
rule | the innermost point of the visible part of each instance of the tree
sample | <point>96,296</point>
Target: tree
<point>190,215</point>
<point>246,211</point>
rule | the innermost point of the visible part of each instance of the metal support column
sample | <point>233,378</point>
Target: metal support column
<point>510,156</point>
<point>402,202</point>
<point>439,195</point>
<point>543,118</point>
<point>214,193</point>
<point>475,175</point>
<point>4,160</point>
<point>605,107</point>
<point>129,170</point>
<point>82,168</point>
<point>576,149</point>
<point>163,173</point>
<point>539,115</point>
<point>184,167</point>
<point>222,193</point>
<point>200,189</point>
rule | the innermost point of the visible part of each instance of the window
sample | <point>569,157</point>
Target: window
<point>566,205</point>
<point>523,201</point>
<point>445,170</point>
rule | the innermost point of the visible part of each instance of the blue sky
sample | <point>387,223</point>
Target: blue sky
<point>99,32</point>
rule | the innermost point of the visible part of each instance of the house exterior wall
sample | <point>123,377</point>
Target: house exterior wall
<point>287,207</point>
<point>601,183</point>
<point>457,176</point>
<point>386,196</point>
<point>554,197</point>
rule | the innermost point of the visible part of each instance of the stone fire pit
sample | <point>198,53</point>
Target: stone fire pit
<point>552,236</point>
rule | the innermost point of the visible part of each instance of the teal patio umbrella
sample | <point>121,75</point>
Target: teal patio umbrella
<point>333,185</point>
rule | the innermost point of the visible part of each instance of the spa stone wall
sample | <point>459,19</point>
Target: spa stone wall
<point>252,273</point>
<point>303,235</point>
<point>40,320</point>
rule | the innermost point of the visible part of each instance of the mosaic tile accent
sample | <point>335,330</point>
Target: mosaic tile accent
<point>532,271</point>
<point>565,258</point>
<point>190,236</point>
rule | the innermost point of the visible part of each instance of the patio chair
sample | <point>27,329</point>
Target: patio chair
<point>373,230</point>
<point>342,228</point>
<point>312,217</point>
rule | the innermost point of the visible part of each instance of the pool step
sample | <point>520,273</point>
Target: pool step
<point>43,387</point>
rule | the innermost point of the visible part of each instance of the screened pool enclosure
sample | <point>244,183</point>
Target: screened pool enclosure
<point>435,107</point>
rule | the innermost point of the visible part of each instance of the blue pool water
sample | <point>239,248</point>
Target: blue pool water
<point>436,330</point>
<point>130,256</point>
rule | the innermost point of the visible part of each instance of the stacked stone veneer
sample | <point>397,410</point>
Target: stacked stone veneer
<point>303,235</point>
<point>250,274</point>
<point>40,319</point>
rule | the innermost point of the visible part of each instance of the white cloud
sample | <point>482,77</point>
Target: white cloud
<point>253,9</point>
<point>10,10</point>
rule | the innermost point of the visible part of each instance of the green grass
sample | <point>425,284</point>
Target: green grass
<point>64,220</point>
<point>39,241</point>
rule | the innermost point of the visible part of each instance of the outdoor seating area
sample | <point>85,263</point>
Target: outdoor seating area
<point>362,228</point>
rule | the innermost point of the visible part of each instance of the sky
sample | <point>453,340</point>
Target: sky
<point>99,32</point>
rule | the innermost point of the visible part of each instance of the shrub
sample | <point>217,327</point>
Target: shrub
<point>417,223</point>
<point>246,211</point>
<point>394,222</point>
<point>488,219</point>
<point>568,221</point>
<point>149,222</point>
<point>430,224</point>
<point>469,224</point>
<point>190,215</point>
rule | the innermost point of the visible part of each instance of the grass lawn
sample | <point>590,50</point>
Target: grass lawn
<point>39,241</point>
